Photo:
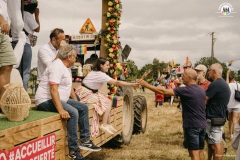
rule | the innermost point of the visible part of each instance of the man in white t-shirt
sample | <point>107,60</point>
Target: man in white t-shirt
<point>48,52</point>
<point>53,94</point>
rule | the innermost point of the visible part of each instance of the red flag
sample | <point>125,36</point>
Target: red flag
<point>187,61</point>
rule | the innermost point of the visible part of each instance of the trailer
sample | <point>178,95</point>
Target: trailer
<point>42,135</point>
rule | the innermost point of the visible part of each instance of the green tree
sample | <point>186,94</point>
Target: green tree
<point>32,73</point>
<point>132,70</point>
<point>237,78</point>
<point>143,69</point>
<point>156,67</point>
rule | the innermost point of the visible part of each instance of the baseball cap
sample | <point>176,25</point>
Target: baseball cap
<point>201,67</point>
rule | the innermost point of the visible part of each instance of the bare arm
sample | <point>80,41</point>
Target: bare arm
<point>122,83</point>
<point>36,13</point>
<point>4,26</point>
<point>157,89</point>
<point>73,95</point>
<point>207,99</point>
<point>56,100</point>
<point>227,76</point>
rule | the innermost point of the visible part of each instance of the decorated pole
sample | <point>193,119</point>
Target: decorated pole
<point>110,44</point>
<point>103,49</point>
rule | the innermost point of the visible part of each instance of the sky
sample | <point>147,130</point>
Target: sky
<point>162,29</point>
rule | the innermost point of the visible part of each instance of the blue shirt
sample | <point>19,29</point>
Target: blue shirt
<point>193,99</point>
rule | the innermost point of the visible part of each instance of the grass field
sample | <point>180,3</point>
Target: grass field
<point>163,139</point>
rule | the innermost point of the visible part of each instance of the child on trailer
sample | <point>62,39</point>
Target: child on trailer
<point>88,93</point>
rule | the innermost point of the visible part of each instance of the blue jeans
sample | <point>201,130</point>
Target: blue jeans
<point>79,116</point>
<point>194,138</point>
<point>25,65</point>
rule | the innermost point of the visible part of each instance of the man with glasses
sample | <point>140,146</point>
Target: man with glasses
<point>53,94</point>
<point>217,98</point>
<point>48,52</point>
<point>202,81</point>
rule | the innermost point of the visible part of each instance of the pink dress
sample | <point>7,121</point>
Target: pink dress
<point>99,101</point>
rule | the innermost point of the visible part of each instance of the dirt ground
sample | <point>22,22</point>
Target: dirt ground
<point>163,139</point>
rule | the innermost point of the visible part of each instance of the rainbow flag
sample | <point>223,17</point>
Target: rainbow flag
<point>81,48</point>
<point>114,101</point>
<point>27,2</point>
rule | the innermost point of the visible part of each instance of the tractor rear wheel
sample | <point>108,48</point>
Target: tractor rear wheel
<point>140,114</point>
<point>128,119</point>
<point>128,115</point>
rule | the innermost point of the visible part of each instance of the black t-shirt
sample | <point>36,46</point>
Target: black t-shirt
<point>219,94</point>
<point>193,99</point>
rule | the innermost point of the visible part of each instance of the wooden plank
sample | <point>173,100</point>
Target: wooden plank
<point>51,127</point>
<point>6,139</point>
<point>21,136</point>
<point>59,155</point>
<point>60,134</point>
<point>60,146</point>
<point>51,119</point>
<point>54,124</point>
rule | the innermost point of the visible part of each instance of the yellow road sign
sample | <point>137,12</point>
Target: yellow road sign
<point>88,27</point>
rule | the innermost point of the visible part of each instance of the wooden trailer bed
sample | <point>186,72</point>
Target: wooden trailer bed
<point>17,139</point>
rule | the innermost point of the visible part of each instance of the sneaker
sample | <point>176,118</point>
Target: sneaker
<point>112,128</point>
<point>76,155</point>
<point>106,129</point>
<point>89,146</point>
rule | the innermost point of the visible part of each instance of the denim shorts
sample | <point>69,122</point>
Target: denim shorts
<point>233,110</point>
<point>214,133</point>
<point>194,138</point>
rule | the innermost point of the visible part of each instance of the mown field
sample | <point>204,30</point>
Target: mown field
<point>163,139</point>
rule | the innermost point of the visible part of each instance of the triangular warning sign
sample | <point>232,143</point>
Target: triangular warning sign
<point>88,27</point>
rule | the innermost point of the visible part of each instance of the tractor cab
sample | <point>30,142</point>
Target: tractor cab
<point>88,49</point>
<point>86,46</point>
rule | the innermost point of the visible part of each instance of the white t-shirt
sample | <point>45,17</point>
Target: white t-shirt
<point>46,54</point>
<point>58,73</point>
<point>29,25</point>
<point>95,79</point>
<point>232,102</point>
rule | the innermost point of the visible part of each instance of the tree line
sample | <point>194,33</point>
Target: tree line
<point>157,66</point>
<point>161,66</point>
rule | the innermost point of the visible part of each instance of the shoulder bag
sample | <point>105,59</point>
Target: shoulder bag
<point>218,121</point>
<point>237,94</point>
<point>32,38</point>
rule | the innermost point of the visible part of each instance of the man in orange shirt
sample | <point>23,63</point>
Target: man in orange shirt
<point>202,81</point>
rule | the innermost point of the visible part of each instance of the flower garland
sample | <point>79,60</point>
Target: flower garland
<point>112,42</point>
